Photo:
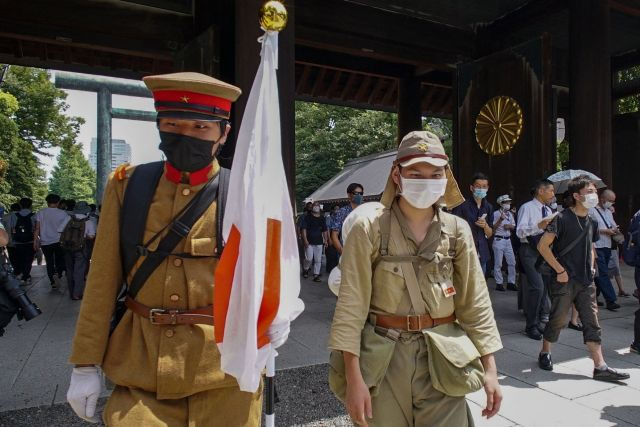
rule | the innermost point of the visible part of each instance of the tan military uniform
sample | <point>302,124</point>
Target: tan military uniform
<point>406,396</point>
<point>166,375</point>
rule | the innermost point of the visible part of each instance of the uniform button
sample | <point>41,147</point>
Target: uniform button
<point>169,333</point>
<point>186,192</point>
<point>177,262</point>
<point>395,269</point>
<point>174,297</point>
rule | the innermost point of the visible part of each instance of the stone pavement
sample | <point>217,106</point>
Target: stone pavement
<point>35,374</point>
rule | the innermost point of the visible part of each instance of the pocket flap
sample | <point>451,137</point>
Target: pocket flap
<point>202,246</point>
<point>454,344</point>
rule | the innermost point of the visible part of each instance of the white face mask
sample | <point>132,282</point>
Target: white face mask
<point>422,193</point>
<point>506,206</point>
<point>590,200</point>
<point>607,205</point>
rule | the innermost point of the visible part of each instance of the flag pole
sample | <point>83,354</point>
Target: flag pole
<point>273,17</point>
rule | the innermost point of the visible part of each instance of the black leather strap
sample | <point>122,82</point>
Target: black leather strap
<point>223,189</point>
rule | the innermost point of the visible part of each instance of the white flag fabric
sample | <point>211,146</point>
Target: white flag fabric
<point>257,281</point>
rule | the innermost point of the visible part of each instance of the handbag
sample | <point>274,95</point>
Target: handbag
<point>617,238</point>
<point>543,267</point>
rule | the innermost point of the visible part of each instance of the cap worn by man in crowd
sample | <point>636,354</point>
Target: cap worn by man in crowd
<point>503,199</point>
<point>191,96</point>
<point>421,146</point>
<point>82,208</point>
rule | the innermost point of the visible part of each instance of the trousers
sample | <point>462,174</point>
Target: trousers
<point>313,254</point>
<point>533,294</point>
<point>502,249</point>
<point>24,253</point>
<point>76,272</point>
<point>54,257</point>
<point>584,298</point>
<point>228,407</point>
<point>603,255</point>
<point>406,396</point>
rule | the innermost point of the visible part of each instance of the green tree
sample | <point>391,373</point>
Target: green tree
<point>443,128</point>
<point>630,104</point>
<point>327,137</point>
<point>73,177</point>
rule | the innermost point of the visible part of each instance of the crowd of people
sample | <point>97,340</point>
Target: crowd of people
<point>63,232</point>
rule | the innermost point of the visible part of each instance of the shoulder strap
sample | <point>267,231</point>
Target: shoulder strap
<point>602,216</point>
<point>385,231</point>
<point>575,242</point>
<point>135,207</point>
<point>223,189</point>
<point>179,229</point>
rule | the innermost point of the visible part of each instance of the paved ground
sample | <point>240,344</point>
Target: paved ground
<point>35,373</point>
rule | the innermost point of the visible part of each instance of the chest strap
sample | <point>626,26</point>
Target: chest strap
<point>161,316</point>
<point>411,323</point>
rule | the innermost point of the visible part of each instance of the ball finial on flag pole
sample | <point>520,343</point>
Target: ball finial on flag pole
<point>273,16</point>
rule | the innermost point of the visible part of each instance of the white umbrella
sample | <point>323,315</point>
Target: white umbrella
<point>561,179</point>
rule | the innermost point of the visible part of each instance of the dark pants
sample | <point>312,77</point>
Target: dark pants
<point>332,258</point>
<point>24,259</point>
<point>603,255</point>
<point>533,293</point>
<point>636,277</point>
<point>76,272</point>
<point>563,295</point>
<point>13,258</point>
<point>54,257</point>
<point>636,328</point>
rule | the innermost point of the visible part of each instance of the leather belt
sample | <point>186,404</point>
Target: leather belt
<point>162,316</point>
<point>502,237</point>
<point>411,323</point>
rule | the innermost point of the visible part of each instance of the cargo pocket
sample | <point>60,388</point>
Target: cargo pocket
<point>202,246</point>
<point>376,352</point>
<point>454,361</point>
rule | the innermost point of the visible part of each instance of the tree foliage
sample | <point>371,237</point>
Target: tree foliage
<point>327,137</point>
<point>630,104</point>
<point>73,177</point>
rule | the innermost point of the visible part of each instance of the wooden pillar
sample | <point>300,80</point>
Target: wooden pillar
<point>409,109</point>
<point>590,73</point>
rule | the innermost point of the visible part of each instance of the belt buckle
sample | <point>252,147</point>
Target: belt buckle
<point>409,328</point>
<point>153,312</point>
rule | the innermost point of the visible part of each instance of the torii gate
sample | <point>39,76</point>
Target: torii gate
<point>105,87</point>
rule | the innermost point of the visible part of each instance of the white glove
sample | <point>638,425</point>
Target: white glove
<point>278,334</point>
<point>83,393</point>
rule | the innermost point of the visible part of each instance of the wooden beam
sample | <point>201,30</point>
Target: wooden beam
<point>530,12</point>
<point>333,87</point>
<point>319,81</point>
<point>388,96</point>
<point>625,9</point>
<point>376,88</point>
<point>347,87</point>
<point>625,60</point>
<point>347,103</point>
<point>624,89</point>
<point>304,77</point>
<point>362,90</point>
<point>426,99</point>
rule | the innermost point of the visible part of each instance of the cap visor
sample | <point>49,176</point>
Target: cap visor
<point>431,160</point>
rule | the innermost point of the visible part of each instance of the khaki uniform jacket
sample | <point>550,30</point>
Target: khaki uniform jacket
<point>172,361</point>
<point>363,290</point>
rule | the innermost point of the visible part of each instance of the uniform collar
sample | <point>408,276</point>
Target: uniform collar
<point>194,178</point>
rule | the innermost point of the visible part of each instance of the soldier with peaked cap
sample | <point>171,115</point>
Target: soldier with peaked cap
<point>165,374</point>
<point>413,330</point>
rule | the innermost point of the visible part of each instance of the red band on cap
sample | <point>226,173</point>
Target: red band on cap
<point>414,156</point>
<point>185,97</point>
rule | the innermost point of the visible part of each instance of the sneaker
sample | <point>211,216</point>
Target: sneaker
<point>545,362</point>
<point>316,278</point>
<point>544,319</point>
<point>575,327</point>
<point>609,375</point>
<point>624,294</point>
<point>600,303</point>
<point>500,287</point>
<point>540,329</point>
<point>54,285</point>
<point>612,305</point>
<point>305,273</point>
<point>512,287</point>
<point>534,334</point>
<point>634,348</point>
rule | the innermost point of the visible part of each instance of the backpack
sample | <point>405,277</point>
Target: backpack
<point>630,248</point>
<point>72,237</point>
<point>23,230</point>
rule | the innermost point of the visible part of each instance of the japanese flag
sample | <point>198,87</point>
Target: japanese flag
<point>257,281</point>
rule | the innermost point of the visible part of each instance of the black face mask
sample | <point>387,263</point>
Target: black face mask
<point>186,153</point>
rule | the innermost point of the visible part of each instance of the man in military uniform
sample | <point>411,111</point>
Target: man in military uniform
<point>375,293</point>
<point>162,355</point>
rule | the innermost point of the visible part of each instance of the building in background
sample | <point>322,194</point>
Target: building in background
<point>120,153</point>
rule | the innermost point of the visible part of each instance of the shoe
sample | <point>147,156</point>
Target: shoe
<point>634,348</point>
<point>499,287</point>
<point>512,287</point>
<point>54,285</point>
<point>540,329</point>
<point>305,274</point>
<point>600,303</point>
<point>534,334</point>
<point>609,375</point>
<point>575,327</point>
<point>612,305</point>
<point>316,278</point>
<point>624,294</point>
<point>544,319</point>
<point>545,362</point>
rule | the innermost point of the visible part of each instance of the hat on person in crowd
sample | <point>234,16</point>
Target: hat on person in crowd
<point>192,96</point>
<point>82,208</point>
<point>307,200</point>
<point>424,146</point>
<point>504,199</point>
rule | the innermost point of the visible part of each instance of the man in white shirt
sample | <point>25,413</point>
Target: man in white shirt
<point>607,228</point>
<point>504,223</point>
<point>77,258</point>
<point>533,219</point>
<point>47,237</point>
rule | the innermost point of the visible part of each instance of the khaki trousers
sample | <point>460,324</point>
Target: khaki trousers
<point>406,396</point>
<point>224,407</point>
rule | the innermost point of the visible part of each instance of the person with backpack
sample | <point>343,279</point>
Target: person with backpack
<point>76,231</point>
<point>413,330</point>
<point>47,233</point>
<point>160,234</point>
<point>22,225</point>
<point>8,221</point>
